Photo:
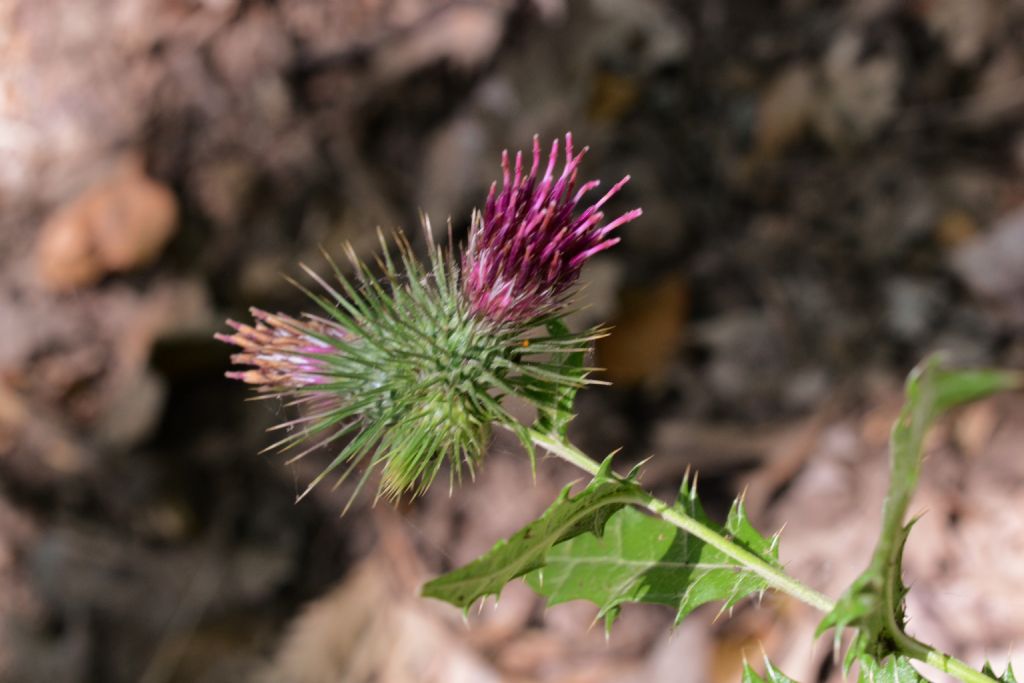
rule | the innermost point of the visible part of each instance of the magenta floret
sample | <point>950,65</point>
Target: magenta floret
<point>283,353</point>
<point>527,247</point>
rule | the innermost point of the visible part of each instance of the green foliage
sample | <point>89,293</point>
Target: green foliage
<point>874,602</point>
<point>568,517</point>
<point>556,400</point>
<point>589,547</point>
<point>645,559</point>
<point>893,669</point>
<point>592,547</point>
<point>1007,676</point>
<point>771,674</point>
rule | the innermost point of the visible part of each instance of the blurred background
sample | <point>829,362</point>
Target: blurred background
<point>831,190</point>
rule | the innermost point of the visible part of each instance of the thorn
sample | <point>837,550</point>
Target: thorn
<point>721,611</point>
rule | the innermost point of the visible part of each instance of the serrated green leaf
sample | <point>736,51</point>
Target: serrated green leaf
<point>645,559</point>
<point>894,669</point>
<point>771,674</point>
<point>1007,676</point>
<point>568,517</point>
<point>874,602</point>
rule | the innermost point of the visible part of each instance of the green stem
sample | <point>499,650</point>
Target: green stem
<point>774,577</point>
<point>922,652</point>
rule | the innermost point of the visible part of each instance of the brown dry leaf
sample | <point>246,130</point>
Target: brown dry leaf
<point>17,529</point>
<point>532,651</point>
<point>956,227</point>
<point>975,426</point>
<point>369,629</point>
<point>13,416</point>
<point>253,47</point>
<point>999,96</point>
<point>613,97</point>
<point>462,35</point>
<point>647,333</point>
<point>29,438</point>
<point>785,110</point>
<point>965,27</point>
<point>992,266</point>
<point>121,223</point>
<point>860,92</point>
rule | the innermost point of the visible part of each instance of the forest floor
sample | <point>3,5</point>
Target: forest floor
<point>831,191</point>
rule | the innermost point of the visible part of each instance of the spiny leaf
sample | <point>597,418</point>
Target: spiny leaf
<point>1007,676</point>
<point>771,674</point>
<point>893,669</point>
<point>874,602</point>
<point>568,517</point>
<point>645,559</point>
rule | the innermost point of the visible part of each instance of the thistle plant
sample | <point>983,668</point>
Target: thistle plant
<point>405,367</point>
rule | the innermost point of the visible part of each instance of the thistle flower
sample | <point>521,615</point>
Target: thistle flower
<point>401,367</point>
<point>405,368</point>
<point>527,248</point>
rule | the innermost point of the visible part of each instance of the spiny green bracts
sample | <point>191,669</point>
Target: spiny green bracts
<point>399,372</point>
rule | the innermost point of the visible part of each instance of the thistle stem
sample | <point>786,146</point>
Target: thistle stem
<point>915,649</point>
<point>773,576</point>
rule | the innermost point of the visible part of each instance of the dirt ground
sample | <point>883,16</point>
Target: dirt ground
<point>831,190</point>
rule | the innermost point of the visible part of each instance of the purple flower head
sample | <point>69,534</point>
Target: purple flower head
<point>527,248</point>
<point>284,352</point>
